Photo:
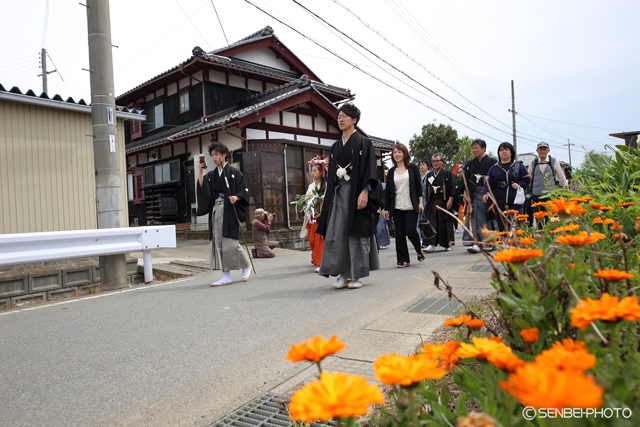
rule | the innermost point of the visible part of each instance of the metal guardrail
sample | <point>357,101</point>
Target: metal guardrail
<point>21,248</point>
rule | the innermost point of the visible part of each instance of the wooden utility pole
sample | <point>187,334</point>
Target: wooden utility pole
<point>513,117</point>
<point>43,62</point>
<point>113,268</point>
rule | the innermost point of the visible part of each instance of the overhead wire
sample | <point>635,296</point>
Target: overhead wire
<point>566,123</point>
<point>60,74</point>
<point>194,25</point>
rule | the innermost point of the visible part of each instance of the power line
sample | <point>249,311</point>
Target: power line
<point>567,123</point>
<point>60,74</point>
<point>194,25</point>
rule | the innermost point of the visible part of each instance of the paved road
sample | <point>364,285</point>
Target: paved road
<point>182,353</point>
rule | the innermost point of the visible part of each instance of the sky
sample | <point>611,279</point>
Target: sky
<point>575,64</point>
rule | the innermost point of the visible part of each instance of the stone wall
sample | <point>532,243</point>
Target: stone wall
<point>44,281</point>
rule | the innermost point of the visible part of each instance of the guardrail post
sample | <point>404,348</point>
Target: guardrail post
<point>148,267</point>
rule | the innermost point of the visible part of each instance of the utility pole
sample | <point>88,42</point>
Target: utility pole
<point>43,61</point>
<point>569,144</point>
<point>513,117</point>
<point>113,268</point>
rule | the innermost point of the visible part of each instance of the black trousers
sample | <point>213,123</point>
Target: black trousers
<point>540,222</point>
<point>406,223</point>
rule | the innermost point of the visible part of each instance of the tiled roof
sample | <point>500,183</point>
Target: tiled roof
<point>381,143</point>
<point>57,97</point>
<point>261,34</point>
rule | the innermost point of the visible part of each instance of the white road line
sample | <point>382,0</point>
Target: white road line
<point>108,294</point>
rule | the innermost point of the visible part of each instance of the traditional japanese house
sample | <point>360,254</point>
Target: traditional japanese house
<point>255,96</point>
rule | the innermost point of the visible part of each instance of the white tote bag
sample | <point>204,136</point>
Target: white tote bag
<point>519,200</point>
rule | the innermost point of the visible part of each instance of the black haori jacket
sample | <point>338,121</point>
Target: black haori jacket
<point>206,200</point>
<point>362,222</point>
<point>415,189</point>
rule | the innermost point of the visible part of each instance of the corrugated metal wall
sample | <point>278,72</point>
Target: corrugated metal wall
<point>46,169</point>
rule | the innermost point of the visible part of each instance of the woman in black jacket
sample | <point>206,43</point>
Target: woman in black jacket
<point>403,202</point>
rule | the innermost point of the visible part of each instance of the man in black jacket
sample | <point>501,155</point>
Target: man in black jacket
<point>221,192</point>
<point>348,218</point>
<point>440,192</point>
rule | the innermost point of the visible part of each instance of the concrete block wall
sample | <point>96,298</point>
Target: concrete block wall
<point>44,281</point>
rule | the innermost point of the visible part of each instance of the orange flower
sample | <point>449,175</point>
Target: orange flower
<point>505,359</point>
<point>607,308</point>
<point>562,207</point>
<point>523,217</point>
<point>527,241</point>
<point>535,205</point>
<point>495,339</point>
<point>581,199</point>
<point>580,239</point>
<point>605,208</point>
<point>405,371</point>
<point>475,323</point>
<point>598,220</point>
<point>567,355</point>
<point>519,232</point>
<point>541,214</point>
<point>481,348</point>
<point>595,205</point>
<point>510,211</point>
<point>609,221</point>
<point>613,275</point>
<point>573,265</point>
<point>315,350</point>
<point>557,230</point>
<point>541,386</point>
<point>529,335</point>
<point>334,396</point>
<point>571,227</point>
<point>457,321</point>
<point>513,255</point>
<point>476,419</point>
<point>616,226</point>
<point>445,353</point>
<point>626,204</point>
<point>620,236</point>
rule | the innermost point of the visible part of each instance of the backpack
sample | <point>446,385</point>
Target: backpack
<point>552,163</point>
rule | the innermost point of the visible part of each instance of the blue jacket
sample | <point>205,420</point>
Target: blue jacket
<point>517,173</point>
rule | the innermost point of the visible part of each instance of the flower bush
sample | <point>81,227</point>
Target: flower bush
<point>567,306</point>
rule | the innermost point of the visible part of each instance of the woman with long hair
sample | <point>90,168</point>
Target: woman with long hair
<point>311,205</point>
<point>403,202</point>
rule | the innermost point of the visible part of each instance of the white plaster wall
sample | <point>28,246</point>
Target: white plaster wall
<point>289,119</point>
<point>132,160</point>
<point>159,93</point>
<point>193,146</point>
<point>306,122</point>
<point>172,88</point>
<point>183,83</point>
<point>196,76</point>
<point>273,119</point>
<point>264,56</point>
<point>333,129</point>
<point>310,139</point>
<point>178,149</point>
<point>236,81</point>
<point>321,123</point>
<point>218,77</point>
<point>271,86</point>
<point>165,152</point>
<point>256,134</point>
<point>329,142</point>
<point>143,158</point>
<point>255,85</point>
<point>280,135</point>
<point>149,97</point>
<point>231,142</point>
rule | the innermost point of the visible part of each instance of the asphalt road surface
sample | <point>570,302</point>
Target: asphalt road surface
<point>182,353</point>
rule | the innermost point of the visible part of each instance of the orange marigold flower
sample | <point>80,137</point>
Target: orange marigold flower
<point>535,205</point>
<point>541,214</point>
<point>605,208</point>
<point>335,395</point>
<point>523,217</point>
<point>607,308</point>
<point>503,358</point>
<point>316,349</point>
<point>481,348</point>
<point>527,241</point>
<point>457,321</point>
<point>626,204</point>
<point>595,205</point>
<point>475,323</point>
<point>620,236</point>
<point>542,386</point>
<point>613,275</point>
<point>581,199</point>
<point>495,339</point>
<point>573,265</point>
<point>609,221</point>
<point>510,211</point>
<point>562,207</point>
<point>445,353</point>
<point>513,255</point>
<point>580,239</point>
<point>405,371</point>
<point>519,232</point>
<point>476,419</point>
<point>502,233</point>
<point>616,226</point>
<point>566,355</point>
<point>571,227</point>
<point>598,220</point>
<point>557,230</point>
<point>529,335</point>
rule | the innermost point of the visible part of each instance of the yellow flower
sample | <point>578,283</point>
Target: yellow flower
<point>541,386</point>
<point>405,371</point>
<point>315,350</point>
<point>334,396</point>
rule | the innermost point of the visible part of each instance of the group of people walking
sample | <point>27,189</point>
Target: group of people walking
<point>346,206</point>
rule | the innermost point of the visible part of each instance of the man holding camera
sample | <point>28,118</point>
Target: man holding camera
<point>261,227</point>
<point>546,173</point>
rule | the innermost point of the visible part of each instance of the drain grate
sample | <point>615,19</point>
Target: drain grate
<point>485,268</point>
<point>437,306</point>
<point>268,410</point>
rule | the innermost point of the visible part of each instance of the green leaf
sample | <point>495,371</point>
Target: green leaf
<point>549,303</point>
<point>445,395</point>
<point>511,302</point>
<point>620,389</point>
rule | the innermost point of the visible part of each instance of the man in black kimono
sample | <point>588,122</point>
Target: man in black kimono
<point>440,192</point>
<point>348,218</point>
<point>220,192</point>
<point>475,172</point>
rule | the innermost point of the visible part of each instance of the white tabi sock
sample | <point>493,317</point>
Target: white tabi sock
<point>226,277</point>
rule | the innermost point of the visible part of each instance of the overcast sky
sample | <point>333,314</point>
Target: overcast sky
<point>572,61</point>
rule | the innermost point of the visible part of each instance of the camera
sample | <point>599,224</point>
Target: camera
<point>503,184</point>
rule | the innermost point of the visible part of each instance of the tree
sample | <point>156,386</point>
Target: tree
<point>464,153</point>
<point>435,139</point>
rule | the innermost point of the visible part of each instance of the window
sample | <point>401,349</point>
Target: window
<point>184,101</point>
<point>130,186</point>
<point>158,113</point>
<point>164,172</point>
